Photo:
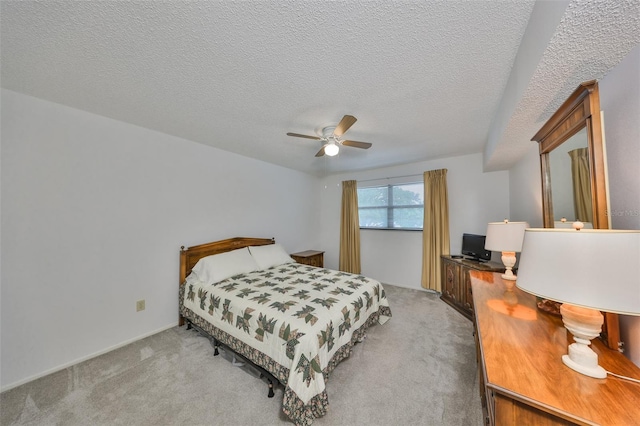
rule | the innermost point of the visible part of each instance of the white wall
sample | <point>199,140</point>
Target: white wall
<point>94,212</point>
<point>525,189</point>
<point>395,257</point>
<point>620,103</point>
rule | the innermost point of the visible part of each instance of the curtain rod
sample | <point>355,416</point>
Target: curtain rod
<point>393,177</point>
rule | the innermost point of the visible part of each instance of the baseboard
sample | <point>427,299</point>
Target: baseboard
<point>85,358</point>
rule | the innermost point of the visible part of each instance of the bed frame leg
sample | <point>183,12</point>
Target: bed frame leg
<point>271,394</point>
<point>215,347</point>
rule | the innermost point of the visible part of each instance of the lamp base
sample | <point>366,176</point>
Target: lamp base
<point>585,324</point>
<point>508,259</point>
<point>596,372</point>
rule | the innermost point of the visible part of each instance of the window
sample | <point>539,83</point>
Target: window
<point>399,206</point>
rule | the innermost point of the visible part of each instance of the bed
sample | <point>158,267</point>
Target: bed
<point>295,322</point>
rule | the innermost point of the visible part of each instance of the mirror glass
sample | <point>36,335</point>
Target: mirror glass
<point>570,182</point>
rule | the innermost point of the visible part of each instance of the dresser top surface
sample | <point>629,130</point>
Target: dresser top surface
<point>474,264</point>
<point>522,349</point>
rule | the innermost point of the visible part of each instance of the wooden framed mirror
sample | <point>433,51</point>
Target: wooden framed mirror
<point>576,124</point>
<point>573,171</point>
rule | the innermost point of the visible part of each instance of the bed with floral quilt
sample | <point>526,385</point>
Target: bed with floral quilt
<point>295,321</point>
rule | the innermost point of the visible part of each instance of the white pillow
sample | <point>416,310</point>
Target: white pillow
<point>270,255</point>
<point>217,267</point>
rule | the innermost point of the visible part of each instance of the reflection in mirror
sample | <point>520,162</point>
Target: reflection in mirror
<point>571,182</point>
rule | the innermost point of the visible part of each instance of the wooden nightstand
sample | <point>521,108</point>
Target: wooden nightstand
<point>310,257</point>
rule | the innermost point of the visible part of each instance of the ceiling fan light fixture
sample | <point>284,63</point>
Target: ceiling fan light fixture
<point>331,149</point>
<point>330,137</point>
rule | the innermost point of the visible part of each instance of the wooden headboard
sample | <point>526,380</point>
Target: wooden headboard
<point>190,256</point>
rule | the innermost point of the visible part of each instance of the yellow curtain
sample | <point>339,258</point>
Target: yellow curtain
<point>435,233</point>
<point>349,228</point>
<point>581,184</point>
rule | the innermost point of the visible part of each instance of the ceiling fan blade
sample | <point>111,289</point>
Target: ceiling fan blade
<point>344,124</point>
<point>356,144</point>
<point>298,135</point>
<point>321,152</point>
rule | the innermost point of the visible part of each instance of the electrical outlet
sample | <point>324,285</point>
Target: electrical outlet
<point>140,305</point>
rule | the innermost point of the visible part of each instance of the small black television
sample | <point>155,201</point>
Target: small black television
<point>473,247</point>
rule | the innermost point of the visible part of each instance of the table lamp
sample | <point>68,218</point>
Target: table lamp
<point>506,237</point>
<point>589,271</point>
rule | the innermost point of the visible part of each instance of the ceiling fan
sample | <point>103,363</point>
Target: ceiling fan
<point>330,137</point>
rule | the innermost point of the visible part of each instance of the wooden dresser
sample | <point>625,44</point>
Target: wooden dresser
<point>310,257</point>
<point>522,378</point>
<point>456,287</point>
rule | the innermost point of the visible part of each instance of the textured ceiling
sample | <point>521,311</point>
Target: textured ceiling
<point>424,79</point>
<point>591,38</point>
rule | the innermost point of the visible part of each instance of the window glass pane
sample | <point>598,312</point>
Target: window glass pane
<point>411,217</point>
<point>409,194</point>
<point>372,197</point>
<point>373,218</point>
<point>391,206</point>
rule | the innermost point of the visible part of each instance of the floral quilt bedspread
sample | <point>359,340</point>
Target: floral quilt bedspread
<point>296,321</point>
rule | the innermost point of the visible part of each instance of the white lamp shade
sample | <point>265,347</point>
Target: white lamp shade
<point>505,236</point>
<point>598,269</point>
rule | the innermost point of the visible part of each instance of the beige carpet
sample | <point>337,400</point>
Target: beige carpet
<point>417,369</point>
